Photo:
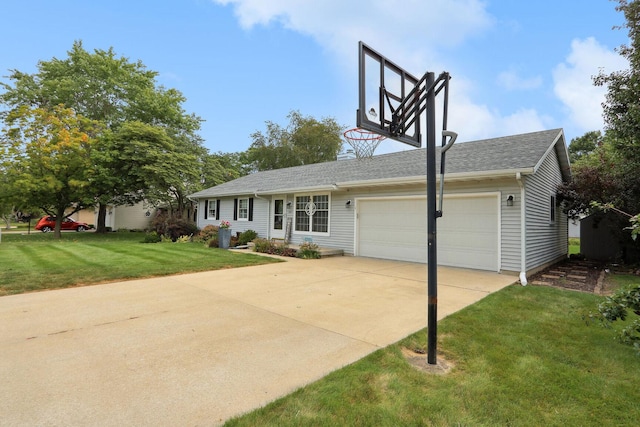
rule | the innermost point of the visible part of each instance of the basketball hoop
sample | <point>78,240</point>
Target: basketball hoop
<point>364,143</point>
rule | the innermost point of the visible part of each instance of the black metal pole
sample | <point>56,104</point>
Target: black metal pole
<point>432,260</point>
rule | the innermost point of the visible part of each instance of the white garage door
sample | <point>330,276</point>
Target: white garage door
<point>395,228</point>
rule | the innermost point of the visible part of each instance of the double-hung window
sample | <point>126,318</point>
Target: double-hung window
<point>312,213</point>
<point>243,209</point>
<point>212,209</point>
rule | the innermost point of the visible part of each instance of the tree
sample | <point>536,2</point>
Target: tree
<point>113,91</point>
<point>46,155</point>
<point>621,111</point>
<point>610,174</point>
<point>221,167</point>
<point>304,141</point>
<point>584,145</point>
<point>7,206</point>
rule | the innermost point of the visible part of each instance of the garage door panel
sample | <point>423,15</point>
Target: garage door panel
<point>396,229</point>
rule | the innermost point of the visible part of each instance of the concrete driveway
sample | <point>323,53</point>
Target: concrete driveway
<point>197,349</point>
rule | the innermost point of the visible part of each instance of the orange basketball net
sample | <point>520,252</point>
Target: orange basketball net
<point>363,142</point>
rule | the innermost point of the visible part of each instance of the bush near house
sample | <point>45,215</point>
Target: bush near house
<point>246,237</point>
<point>207,234</point>
<point>173,227</point>
<point>152,237</point>
<point>308,250</point>
<point>270,247</point>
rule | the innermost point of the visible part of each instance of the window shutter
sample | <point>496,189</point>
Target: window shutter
<point>251,209</point>
<point>217,209</point>
<point>206,209</point>
<point>235,209</point>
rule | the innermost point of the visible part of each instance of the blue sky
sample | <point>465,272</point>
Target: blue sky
<point>517,66</point>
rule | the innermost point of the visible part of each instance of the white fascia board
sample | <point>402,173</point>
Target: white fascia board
<point>313,189</point>
<point>474,176</point>
<point>546,153</point>
<point>462,176</point>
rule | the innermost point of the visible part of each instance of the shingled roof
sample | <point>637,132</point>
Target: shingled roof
<point>484,158</point>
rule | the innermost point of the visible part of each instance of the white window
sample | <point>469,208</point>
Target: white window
<point>211,210</point>
<point>312,213</point>
<point>243,209</point>
<point>552,209</point>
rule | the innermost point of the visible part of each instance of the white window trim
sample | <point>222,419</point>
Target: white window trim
<point>295,213</point>
<point>209,216</point>
<point>553,209</point>
<point>238,213</point>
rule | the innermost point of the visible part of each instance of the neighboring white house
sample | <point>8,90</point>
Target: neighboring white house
<point>136,217</point>
<point>500,208</point>
<point>574,228</point>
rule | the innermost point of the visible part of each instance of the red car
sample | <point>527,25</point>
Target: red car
<point>48,223</point>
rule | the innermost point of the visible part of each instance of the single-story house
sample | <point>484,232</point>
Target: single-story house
<point>134,217</point>
<point>499,210</point>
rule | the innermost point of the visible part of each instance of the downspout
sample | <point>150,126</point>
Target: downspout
<point>523,233</point>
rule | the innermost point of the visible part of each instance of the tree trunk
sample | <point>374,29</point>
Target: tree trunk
<point>57,230</point>
<point>102,219</point>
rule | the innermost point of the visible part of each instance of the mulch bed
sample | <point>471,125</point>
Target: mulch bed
<point>574,274</point>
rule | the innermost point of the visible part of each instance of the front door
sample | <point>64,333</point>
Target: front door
<point>277,218</point>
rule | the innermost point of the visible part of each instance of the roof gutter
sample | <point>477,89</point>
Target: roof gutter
<point>420,179</point>
<point>523,232</point>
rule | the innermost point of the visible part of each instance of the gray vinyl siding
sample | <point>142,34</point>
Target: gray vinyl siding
<point>510,226</point>
<point>342,231</point>
<point>260,223</point>
<point>546,242</point>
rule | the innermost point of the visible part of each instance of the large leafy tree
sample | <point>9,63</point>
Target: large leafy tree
<point>222,167</point>
<point>584,145</point>
<point>609,174</point>
<point>621,112</point>
<point>112,91</point>
<point>304,141</point>
<point>46,155</point>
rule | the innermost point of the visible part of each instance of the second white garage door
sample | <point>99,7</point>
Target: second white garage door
<point>395,228</point>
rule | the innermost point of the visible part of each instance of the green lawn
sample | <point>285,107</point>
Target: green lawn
<point>38,261</point>
<point>523,356</point>
<point>574,245</point>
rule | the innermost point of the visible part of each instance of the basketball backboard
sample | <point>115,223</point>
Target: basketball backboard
<point>383,86</point>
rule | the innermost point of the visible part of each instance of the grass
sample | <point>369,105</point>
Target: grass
<point>523,356</point>
<point>574,245</point>
<point>38,261</point>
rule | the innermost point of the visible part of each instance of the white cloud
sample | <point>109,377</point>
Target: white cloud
<point>510,80</point>
<point>474,121</point>
<point>416,34</point>
<point>573,83</point>
<point>404,31</point>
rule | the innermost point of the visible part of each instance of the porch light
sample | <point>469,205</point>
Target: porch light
<point>348,204</point>
<point>510,200</point>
